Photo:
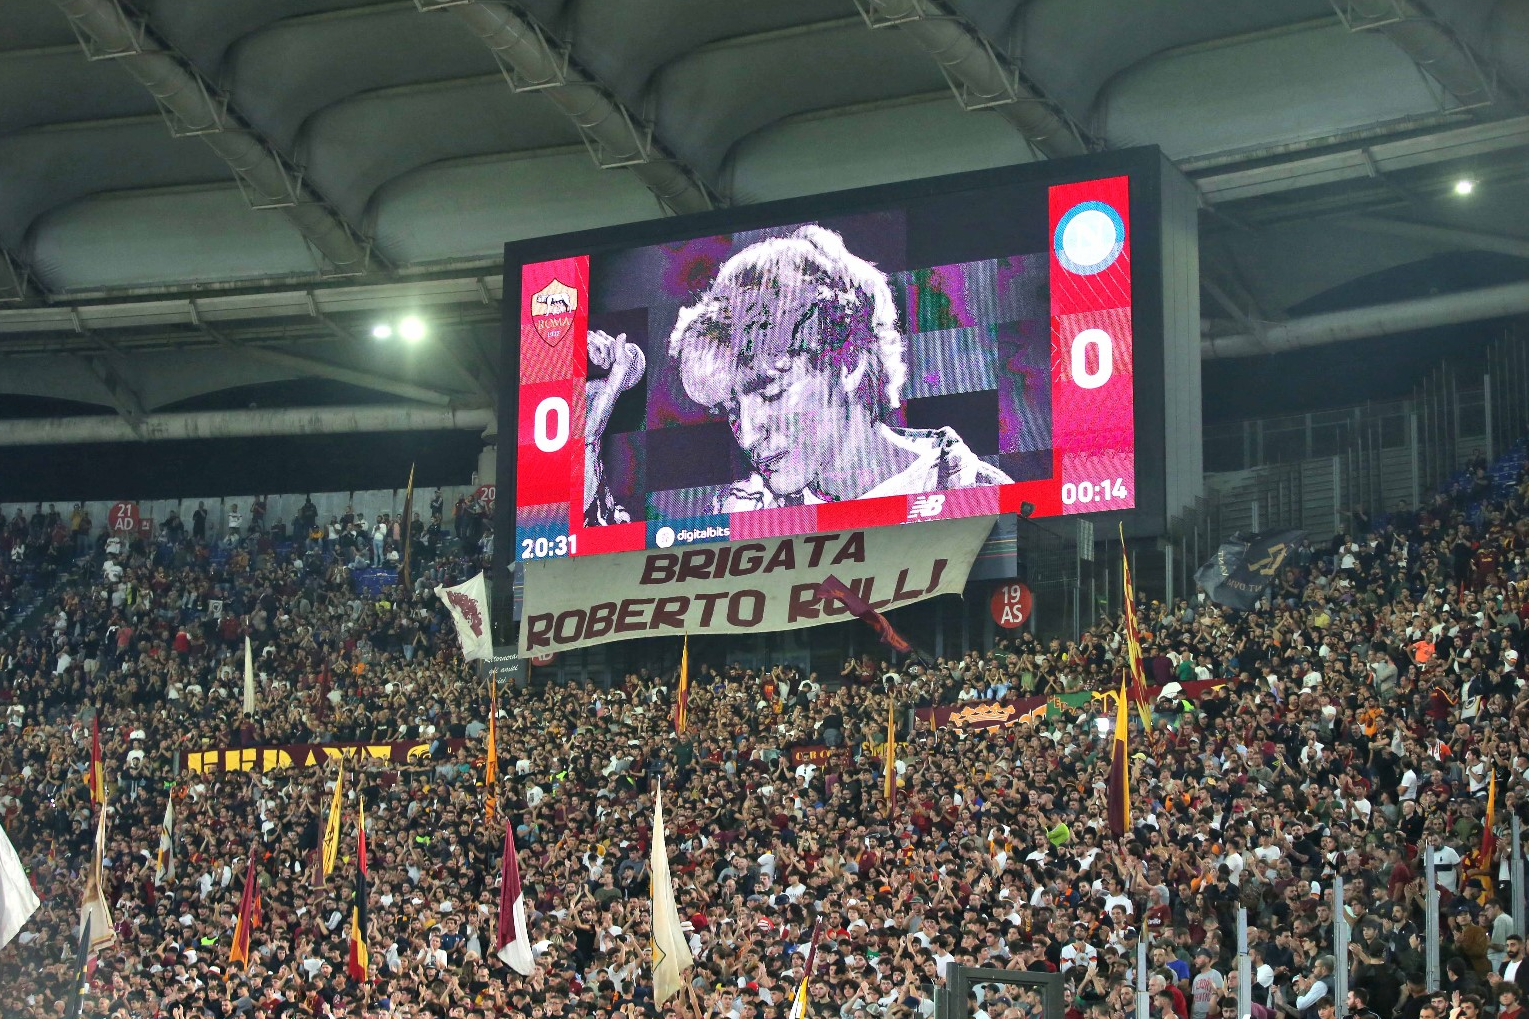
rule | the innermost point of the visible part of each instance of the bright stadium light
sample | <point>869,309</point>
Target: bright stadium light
<point>411,328</point>
<point>1464,186</point>
<point>382,331</point>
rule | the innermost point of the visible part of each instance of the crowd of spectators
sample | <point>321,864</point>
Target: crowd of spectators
<point>1367,706</point>
<point>44,542</point>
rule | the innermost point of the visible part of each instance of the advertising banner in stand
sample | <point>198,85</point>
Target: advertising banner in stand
<point>743,587</point>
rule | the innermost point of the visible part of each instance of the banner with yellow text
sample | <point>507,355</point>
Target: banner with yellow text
<point>305,755</point>
<point>742,587</point>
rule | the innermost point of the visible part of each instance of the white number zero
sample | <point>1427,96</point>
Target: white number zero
<point>549,427</point>
<point>1100,340</point>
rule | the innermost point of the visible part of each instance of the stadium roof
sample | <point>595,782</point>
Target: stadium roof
<point>196,195</point>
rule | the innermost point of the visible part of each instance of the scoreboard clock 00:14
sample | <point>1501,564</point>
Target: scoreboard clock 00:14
<point>1085,492</point>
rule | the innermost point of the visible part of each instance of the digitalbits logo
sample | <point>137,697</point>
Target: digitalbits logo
<point>666,536</point>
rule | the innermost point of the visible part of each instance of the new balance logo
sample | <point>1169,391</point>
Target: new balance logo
<point>926,506</point>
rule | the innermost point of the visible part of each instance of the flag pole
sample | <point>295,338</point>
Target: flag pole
<point>403,531</point>
<point>889,777</point>
<point>491,758</point>
<point>695,1006</point>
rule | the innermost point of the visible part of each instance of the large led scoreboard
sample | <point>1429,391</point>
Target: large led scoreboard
<point>968,345</point>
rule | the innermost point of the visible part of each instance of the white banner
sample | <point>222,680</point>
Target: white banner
<point>468,603</point>
<point>743,587</point>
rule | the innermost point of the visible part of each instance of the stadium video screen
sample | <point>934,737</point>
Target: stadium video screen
<point>934,355</point>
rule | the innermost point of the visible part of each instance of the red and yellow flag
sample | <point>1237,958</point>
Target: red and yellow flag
<point>682,695</point>
<point>96,777</point>
<point>491,763</point>
<point>1133,640</point>
<point>799,1000</point>
<point>359,964</point>
<point>1119,789</point>
<point>1488,836</point>
<point>249,918</point>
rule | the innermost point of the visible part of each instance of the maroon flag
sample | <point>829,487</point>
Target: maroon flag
<point>511,942</point>
<point>835,589</point>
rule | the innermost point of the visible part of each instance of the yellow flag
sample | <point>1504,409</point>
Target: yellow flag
<point>332,825</point>
<point>1137,672</point>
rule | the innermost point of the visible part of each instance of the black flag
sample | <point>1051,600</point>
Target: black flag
<point>76,1001</point>
<point>1244,567</point>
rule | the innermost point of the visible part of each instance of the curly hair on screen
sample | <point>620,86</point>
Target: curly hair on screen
<point>853,312</point>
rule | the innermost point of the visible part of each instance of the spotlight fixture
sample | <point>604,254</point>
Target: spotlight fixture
<point>1464,186</point>
<point>411,328</point>
<point>382,331</point>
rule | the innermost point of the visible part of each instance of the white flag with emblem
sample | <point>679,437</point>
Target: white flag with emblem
<point>94,910</point>
<point>671,952</point>
<point>468,603</point>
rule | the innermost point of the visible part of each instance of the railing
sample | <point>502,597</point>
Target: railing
<point>1320,471</point>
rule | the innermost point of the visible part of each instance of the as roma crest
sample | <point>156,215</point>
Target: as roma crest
<point>552,311</point>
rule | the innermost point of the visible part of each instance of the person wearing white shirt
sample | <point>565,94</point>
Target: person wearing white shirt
<point>1477,774</point>
<point>432,954</point>
<point>1235,864</point>
<point>1315,991</point>
<point>1078,952</point>
<point>942,957</point>
<point>1446,864</point>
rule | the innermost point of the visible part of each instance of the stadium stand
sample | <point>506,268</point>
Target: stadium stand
<point>1369,708</point>
<point>768,316</point>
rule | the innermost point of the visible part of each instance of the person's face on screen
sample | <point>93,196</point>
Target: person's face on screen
<point>780,399</point>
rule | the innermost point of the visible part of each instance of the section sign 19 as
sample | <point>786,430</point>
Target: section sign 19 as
<point>1011,605</point>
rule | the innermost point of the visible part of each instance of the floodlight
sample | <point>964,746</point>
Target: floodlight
<point>411,328</point>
